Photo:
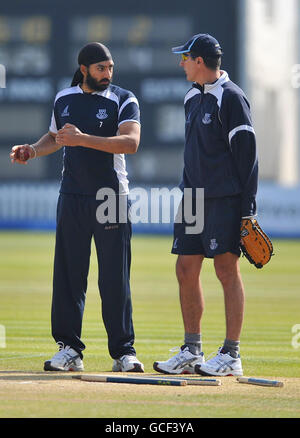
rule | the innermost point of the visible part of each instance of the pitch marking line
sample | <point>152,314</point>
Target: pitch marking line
<point>23,357</point>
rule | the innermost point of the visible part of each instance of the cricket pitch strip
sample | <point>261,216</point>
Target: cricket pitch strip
<point>60,395</point>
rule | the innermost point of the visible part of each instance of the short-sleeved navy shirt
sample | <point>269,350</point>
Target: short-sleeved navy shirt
<point>86,170</point>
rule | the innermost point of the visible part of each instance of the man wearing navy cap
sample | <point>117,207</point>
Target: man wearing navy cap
<point>220,157</point>
<point>96,123</point>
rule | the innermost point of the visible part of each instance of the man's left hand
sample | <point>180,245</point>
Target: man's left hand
<point>69,135</point>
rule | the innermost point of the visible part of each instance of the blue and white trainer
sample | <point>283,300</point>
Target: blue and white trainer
<point>222,364</point>
<point>66,359</point>
<point>182,363</point>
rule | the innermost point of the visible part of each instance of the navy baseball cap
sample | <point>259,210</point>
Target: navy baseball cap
<point>201,44</point>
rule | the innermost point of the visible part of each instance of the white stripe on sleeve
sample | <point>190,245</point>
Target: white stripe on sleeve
<point>240,128</point>
<point>127,101</point>
<point>129,120</point>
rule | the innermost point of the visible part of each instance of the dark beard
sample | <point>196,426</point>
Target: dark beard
<point>93,84</point>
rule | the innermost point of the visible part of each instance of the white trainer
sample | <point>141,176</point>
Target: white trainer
<point>221,365</point>
<point>128,363</point>
<point>182,363</point>
<point>66,359</point>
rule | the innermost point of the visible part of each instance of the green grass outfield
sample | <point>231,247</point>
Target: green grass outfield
<point>272,309</point>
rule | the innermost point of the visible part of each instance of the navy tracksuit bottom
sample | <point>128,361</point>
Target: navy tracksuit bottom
<point>76,226</point>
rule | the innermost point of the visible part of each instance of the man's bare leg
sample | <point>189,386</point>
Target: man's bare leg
<point>188,269</point>
<point>227,362</point>
<point>228,272</point>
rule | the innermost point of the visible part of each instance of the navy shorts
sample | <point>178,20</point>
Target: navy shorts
<point>221,231</point>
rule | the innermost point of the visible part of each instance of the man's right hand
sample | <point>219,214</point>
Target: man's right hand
<point>21,153</point>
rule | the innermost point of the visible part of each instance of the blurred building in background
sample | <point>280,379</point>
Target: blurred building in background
<point>270,49</point>
<point>39,43</point>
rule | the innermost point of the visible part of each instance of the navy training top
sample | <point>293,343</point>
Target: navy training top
<point>86,170</point>
<point>220,147</point>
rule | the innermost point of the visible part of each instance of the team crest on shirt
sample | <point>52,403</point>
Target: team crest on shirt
<point>102,114</point>
<point>213,244</point>
<point>206,119</point>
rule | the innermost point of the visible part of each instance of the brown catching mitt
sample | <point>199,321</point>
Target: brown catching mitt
<point>255,244</point>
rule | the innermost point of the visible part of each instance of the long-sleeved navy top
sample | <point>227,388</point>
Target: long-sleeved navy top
<point>220,146</point>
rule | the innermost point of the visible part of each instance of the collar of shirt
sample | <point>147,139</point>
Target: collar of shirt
<point>100,93</point>
<point>206,88</point>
